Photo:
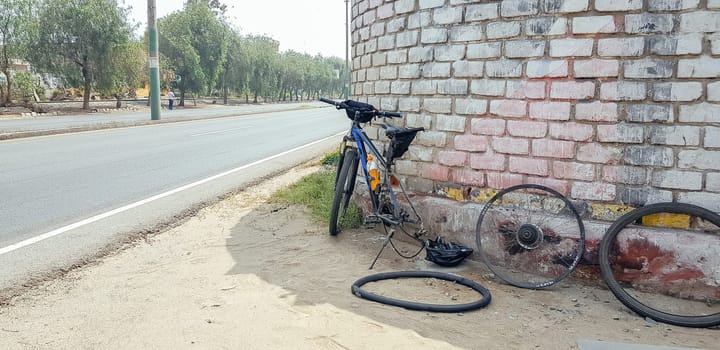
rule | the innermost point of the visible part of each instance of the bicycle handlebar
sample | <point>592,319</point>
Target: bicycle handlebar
<point>343,105</point>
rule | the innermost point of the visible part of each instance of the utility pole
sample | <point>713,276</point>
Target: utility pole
<point>154,62</point>
<point>347,49</point>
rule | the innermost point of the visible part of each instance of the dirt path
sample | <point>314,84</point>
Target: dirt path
<point>245,274</point>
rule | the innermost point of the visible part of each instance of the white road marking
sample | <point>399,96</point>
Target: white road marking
<point>98,217</point>
<point>220,131</point>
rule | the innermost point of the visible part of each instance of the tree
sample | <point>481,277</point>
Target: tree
<point>123,71</point>
<point>195,41</point>
<point>263,53</point>
<point>14,21</point>
<point>74,38</point>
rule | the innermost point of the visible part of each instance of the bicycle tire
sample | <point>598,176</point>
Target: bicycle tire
<point>610,264</point>
<point>480,303</point>
<point>344,187</point>
<point>524,247</point>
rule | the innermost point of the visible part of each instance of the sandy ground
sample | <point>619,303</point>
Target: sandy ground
<point>247,274</point>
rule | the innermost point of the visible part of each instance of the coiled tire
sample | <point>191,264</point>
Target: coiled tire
<point>482,302</point>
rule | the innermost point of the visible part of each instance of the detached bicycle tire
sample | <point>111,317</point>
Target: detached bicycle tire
<point>609,247</point>
<point>484,301</point>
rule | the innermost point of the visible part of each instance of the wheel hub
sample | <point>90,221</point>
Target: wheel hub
<point>529,236</point>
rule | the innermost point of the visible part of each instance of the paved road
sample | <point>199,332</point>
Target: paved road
<point>51,182</point>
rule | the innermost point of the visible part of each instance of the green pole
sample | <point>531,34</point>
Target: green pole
<point>154,63</point>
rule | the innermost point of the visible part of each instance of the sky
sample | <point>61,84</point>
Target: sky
<point>310,26</point>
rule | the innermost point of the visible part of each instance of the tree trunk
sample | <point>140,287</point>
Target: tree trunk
<point>255,99</point>
<point>225,95</point>
<point>118,101</point>
<point>7,97</point>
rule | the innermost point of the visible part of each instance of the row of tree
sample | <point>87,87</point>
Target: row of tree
<point>91,44</point>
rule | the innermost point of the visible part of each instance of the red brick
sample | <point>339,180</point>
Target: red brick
<point>502,180</point>
<point>483,126</point>
<point>528,166</point>
<point>487,161</point>
<point>508,108</point>
<point>468,177</point>
<point>561,186</point>
<point>452,158</point>
<point>593,191</point>
<point>471,143</point>
<point>526,128</point>
<point>510,145</point>
<point>435,172</point>
<point>553,148</point>
<point>574,171</point>
<point>550,110</point>
<point>571,131</point>
<point>597,153</point>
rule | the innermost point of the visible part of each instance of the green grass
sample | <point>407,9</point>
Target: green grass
<point>316,192</point>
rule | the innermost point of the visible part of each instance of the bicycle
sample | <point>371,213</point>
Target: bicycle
<point>383,186</point>
<point>678,288</point>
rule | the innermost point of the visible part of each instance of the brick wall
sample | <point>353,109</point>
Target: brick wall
<point>607,101</point>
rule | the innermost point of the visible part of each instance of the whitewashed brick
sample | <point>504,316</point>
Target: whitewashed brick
<point>419,20</point>
<point>408,38</point>
<point>710,201</point>
<point>713,91</point>
<point>466,33</point>
<point>468,69</point>
<point>700,113</point>
<point>388,72</point>
<point>484,50</point>
<point>400,87</point>
<point>436,70</point>
<point>648,68</point>
<point>715,43</point>
<point>420,54</point>
<point>618,5</point>
<point>546,26</point>
<point>621,133</point>
<point>649,23</point>
<point>597,111</point>
<point>372,74</point>
<point>689,91</point>
<point>700,21</point>
<point>571,47</point>
<point>595,68</point>
<point>672,5</point>
<point>449,53</point>
<point>426,4</point>
<point>382,87</point>
<point>594,24</point>
<point>524,48</point>
<point>386,42</point>
<point>487,87</point>
<point>572,90</point>
<point>447,15</point>
<point>481,12</point>
<point>644,113</point>
<point>712,137</point>
<point>399,56</point>
<point>377,29</point>
<point>675,135</point>
<point>470,106</point>
<point>699,159</point>
<point>437,105</point>
<point>434,35</point>
<point>623,91</point>
<point>550,110</point>
<point>547,68</point>
<point>419,120</point>
<point>499,30</point>
<point>515,8</point>
<point>564,6</point>
<point>409,71</point>
<point>424,87</point>
<point>673,179</point>
<point>453,87</point>
<point>712,182</point>
<point>451,123</point>
<point>508,108</point>
<point>409,104</point>
<point>649,156</point>
<point>703,67</point>
<point>525,89</point>
<point>689,44</point>
<point>504,68</point>
<point>395,25</point>
<point>404,6</point>
<point>621,46</point>
<point>389,103</point>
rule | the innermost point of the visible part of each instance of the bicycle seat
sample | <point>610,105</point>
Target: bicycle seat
<point>391,130</point>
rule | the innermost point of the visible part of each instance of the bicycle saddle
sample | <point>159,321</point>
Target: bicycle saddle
<point>391,130</point>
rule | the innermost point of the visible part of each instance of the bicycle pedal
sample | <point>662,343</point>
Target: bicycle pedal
<point>372,220</point>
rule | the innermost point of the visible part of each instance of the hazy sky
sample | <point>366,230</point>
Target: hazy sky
<point>310,26</point>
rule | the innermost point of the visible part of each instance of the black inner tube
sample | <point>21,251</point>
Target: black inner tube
<point>484,301</point>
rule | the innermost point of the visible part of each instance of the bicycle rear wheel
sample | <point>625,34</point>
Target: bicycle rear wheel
<point>530,236</point>
<point>344,187</point>
<point>680,288</point>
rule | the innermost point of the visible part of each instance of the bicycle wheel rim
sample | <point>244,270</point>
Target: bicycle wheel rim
<point>530,236</point>
<point>678,288</point>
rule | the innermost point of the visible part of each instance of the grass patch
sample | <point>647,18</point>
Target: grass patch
<point>316,192</point>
